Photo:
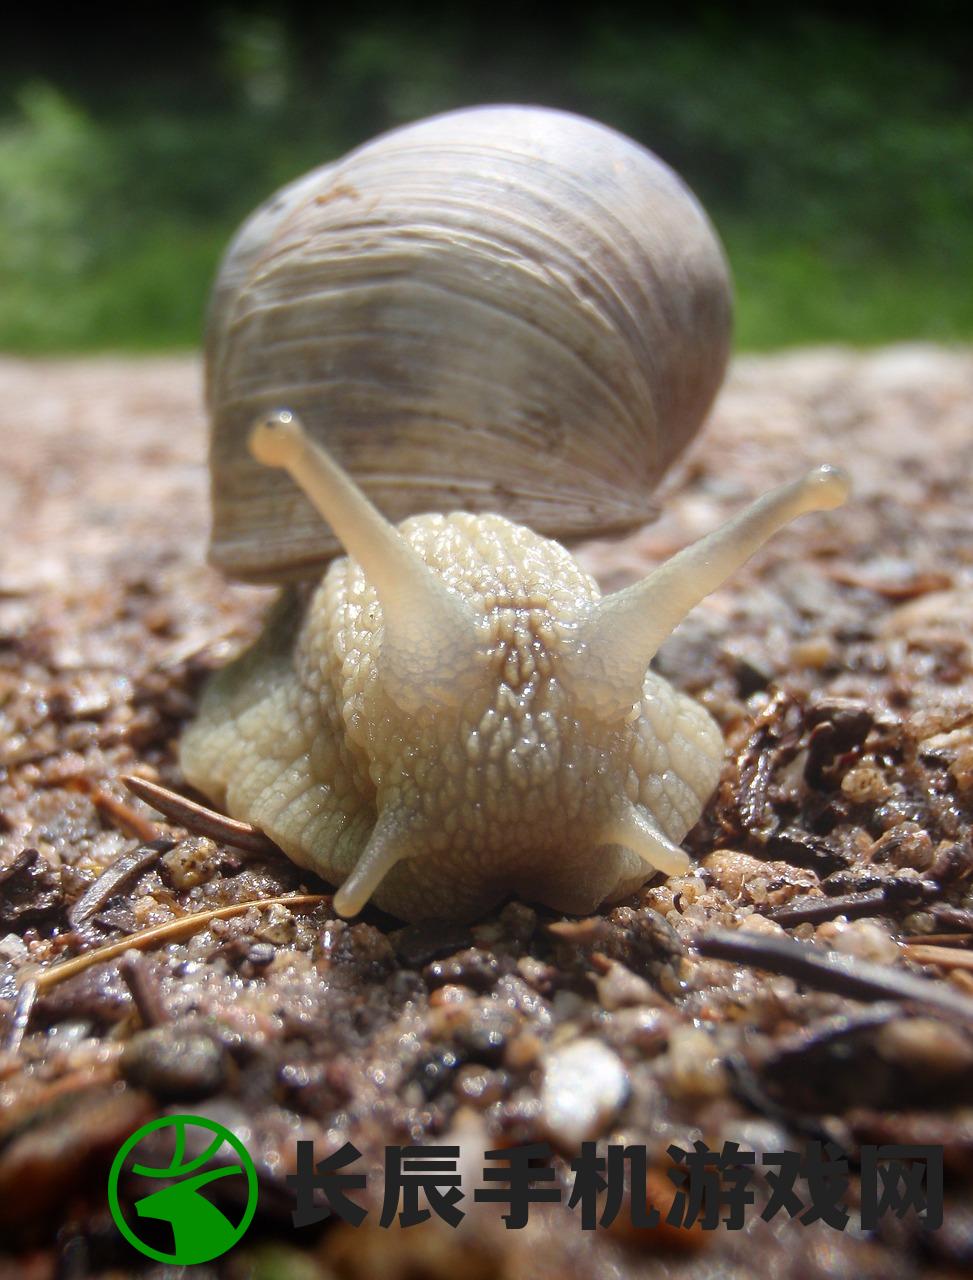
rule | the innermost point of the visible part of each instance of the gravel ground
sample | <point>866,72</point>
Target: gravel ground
<point>839,666</point>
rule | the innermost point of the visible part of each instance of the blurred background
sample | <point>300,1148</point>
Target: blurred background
<point>833,149</point>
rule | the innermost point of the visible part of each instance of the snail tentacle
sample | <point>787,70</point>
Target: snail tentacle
<point>623,632</point>
<point>632,828</point>
<point>431,642</point>
<point>389,843</point>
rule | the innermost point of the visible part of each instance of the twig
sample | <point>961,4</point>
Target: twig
<point>832,1030</point>
<point>747,1086</point>
<point>143,989</point>
<point>832,971</point>
<point>166,932</point>
<point>113,878</point>
<point>763,750</point>
<point>196,817</point>
<point>953,917</point>
<point>941,939</point>
<point>946,957</point>
<point>892,894</point>
<point>814,910</point>
<point>120,813</point>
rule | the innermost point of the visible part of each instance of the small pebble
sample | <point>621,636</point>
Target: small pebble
<point>919,922</point>
<point>192,862</point>
<point>585,1085</point>
<point>865,784</point>
<point>523,1051</point>
<point>927,1045</point>
<point>863,938</point>
<point>733,871</point>
<point>947,744</point>
<point>473,967</point>
<point>13,949</point>
<point>961,771</point>
<point>759,924</point>
<point>174,1063</point>
<point>277,925</point>
<point>451,993</point>
<point>696,1070</point>
<point>480,1086</point>
<point>620,988</point>
<point>542,977</point>
<point>261,954</point>
<point>645,1029</point>
<point>814,652</point>
<point>483,1029</point>
<point>905,846</point>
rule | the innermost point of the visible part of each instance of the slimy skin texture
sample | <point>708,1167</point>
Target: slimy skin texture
<point>511,792</point>
<point>457,715</point>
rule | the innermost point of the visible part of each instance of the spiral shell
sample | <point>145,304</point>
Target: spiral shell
<point>507,309</point>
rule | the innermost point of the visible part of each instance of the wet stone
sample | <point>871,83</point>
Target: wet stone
<point>192,862</point>
<point>480,1086</point>
<point>485,1029</point>
<point>436,1072</point>
<point>585,1085</point>
<point>473,967</point>
<point>172,1062</point>
<point>30,891</point>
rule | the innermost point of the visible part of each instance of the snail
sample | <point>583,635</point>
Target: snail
<point>467,336</point>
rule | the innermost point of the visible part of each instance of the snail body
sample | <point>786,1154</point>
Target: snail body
<point>454,713</point>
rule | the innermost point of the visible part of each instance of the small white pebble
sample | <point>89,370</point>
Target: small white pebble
<point>620,988</point>
<point>759,1136</point>
<point>695,1067</point>
<point>585,1084</point>
<point>148,911</point>
<point>13,948</point>
<point>760,925</point>
<point>866,939</point>
<point>294,962</point>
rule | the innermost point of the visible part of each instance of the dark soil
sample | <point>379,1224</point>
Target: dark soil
<point>839,665</point>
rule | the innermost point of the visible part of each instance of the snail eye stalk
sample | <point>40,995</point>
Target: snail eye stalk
<point>430,648</point>
<point>624,631</point>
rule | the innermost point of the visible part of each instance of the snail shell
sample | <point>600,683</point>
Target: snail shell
<point>504,309</point>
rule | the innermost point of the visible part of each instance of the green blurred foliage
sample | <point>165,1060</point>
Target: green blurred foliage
<point>834,155</point>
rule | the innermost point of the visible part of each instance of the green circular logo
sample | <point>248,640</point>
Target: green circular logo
<point>200,1231</point>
